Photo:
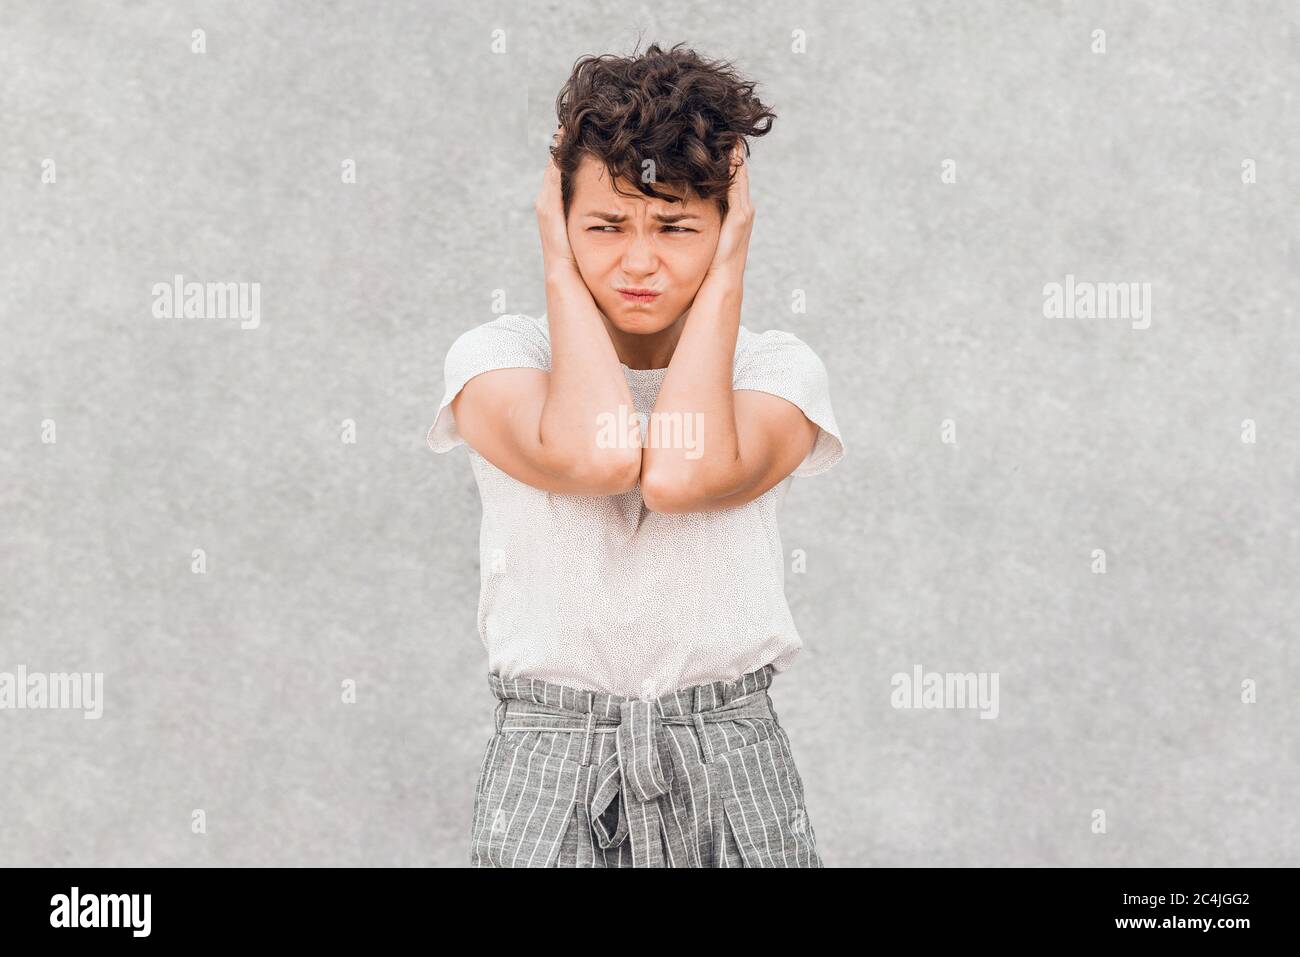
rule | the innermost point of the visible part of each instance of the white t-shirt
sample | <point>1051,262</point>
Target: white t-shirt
<point>597,592</point>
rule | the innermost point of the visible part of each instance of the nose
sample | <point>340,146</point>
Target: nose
<point>639,258</point>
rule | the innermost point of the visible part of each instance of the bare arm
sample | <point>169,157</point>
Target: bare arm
<point>749,440</point>
<point>552,430</point>
<point>589,399</point>
<point>499,415</point>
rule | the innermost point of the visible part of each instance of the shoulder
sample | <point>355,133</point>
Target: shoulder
<point>775,352</point>
<point>510,340</point>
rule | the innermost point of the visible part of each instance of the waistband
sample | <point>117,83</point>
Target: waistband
<point>694,699</point>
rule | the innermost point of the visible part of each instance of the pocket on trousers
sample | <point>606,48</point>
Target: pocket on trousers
<point>764,819</point>
<point>535,844</point>
<point>526,810</point>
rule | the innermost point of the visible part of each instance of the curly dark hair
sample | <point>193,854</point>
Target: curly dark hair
<point>671,106</point>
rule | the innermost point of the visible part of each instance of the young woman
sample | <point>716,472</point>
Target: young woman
<point>632,448</point>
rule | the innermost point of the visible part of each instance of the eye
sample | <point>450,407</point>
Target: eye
<point>597,229</point>
<point>682,229</point>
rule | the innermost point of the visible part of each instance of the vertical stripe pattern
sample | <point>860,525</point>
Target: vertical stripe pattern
<point>702,777</point>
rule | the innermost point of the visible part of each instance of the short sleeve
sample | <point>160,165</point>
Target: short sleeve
<point>783,365</point>
<point>507,342</point>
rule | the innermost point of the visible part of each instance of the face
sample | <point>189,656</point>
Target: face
<point>639,242</point>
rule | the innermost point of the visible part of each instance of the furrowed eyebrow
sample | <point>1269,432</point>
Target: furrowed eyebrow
<point>661,217</point>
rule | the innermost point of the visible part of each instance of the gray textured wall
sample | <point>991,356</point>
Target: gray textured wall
<point>328,561</point>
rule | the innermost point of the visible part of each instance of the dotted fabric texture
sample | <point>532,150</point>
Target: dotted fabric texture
<point>597,592</point>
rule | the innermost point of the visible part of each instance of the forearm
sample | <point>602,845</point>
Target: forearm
<point>588,402</point>
<point>697,392</point>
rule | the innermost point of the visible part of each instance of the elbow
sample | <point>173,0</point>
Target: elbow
<point>610,473</point>
<point>667,494</point>
<point>676,490</point>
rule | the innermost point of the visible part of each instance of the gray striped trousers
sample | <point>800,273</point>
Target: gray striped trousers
<point>702,777</point>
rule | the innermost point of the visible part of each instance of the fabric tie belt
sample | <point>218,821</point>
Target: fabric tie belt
<point>636,772</point>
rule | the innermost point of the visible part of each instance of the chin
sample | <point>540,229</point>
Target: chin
<point>638,324</point>
<point>641,321</point>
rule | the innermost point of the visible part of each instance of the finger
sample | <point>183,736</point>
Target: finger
<point>739,168</point>
<point>742,169</point>
<point>740,185</point>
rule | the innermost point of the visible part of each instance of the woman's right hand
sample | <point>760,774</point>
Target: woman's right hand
<point>557,255</point>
